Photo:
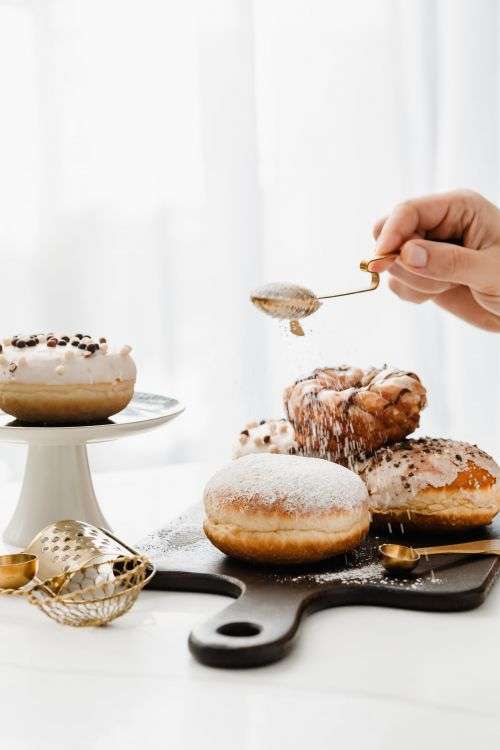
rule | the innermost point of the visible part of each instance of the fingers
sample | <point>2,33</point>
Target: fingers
<point>406,293</point>
<point>410,218</point>
<point>460,302</point>
<point>418,283</point>
<point>442,216</point>
<point>377,227</point>
<point>384,264</point>
<point>490,302</point>
<point>457,300</point>
<point>441,261</point>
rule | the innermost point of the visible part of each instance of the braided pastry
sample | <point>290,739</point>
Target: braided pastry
<point>341,412</point>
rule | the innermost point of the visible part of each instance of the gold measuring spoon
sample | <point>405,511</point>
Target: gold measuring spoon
<point>397,557</point>
<point>17,570</point>
<point>292,302</point>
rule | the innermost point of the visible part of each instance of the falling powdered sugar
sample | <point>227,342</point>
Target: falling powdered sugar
<point>342,412</point>
<point>299,484</point>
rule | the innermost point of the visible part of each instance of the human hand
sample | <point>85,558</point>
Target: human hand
<point>449,252</point>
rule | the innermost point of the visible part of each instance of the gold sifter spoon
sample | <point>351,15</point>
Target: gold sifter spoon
<point>293,302</point>
<point>397,557</point>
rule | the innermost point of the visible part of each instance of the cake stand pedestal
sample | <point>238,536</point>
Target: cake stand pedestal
<point>57,482</point>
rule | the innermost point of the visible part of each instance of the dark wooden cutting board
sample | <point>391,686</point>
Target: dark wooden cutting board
<point>260,626</point>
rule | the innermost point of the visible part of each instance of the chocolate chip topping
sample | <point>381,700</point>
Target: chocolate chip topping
<point>85,342</point>
<point>421,462</point>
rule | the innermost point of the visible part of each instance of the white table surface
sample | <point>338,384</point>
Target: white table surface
<point>358,676</point>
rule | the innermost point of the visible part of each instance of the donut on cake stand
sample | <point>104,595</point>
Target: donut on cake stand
<point>60,392</point>
<point>57,481</point>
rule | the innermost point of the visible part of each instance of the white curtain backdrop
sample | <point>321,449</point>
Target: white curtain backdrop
<point>158,159</point>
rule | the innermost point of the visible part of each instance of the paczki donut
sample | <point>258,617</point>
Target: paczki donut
<point>341,412</point>
<point>62,379</point>
<point>432,484</point>
<point>285,509</point>
<point>266,436</point>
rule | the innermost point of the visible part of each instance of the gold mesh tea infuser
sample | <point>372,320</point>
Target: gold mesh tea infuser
<point>398,557</point>
<point>293,302</point>
<point>76,573</point>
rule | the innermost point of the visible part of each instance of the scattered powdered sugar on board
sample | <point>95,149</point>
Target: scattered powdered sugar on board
<point>371,573</point>
<point>363,574</point>
<point>184,537</point>
<point>299,483</point>
<point>361,567</point>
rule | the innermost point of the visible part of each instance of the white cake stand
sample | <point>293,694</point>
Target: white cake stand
<point>57,482</point>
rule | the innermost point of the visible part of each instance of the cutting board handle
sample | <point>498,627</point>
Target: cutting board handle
<point>256,629</point>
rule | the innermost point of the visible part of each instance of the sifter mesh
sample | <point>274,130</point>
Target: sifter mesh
<point>85,575</point>
<point>66,546</point>
<point>96,594</point>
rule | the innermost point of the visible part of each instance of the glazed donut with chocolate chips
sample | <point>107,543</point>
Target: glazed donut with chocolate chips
<point>341,412</point>
<point>432,484</point>
<point>285,509</point>
<point>64,379</point>
<point>266,436</point>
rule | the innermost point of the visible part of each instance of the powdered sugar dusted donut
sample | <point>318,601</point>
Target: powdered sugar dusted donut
<point>267,436</point>
<point>285,509</point>
<point>60,379</point>
<point>341,412</point>
<point>432,484</point>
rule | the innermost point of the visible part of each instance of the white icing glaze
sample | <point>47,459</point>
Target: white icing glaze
<point>271,436</point>
<point>396,474</point>
<point>301,484</point>
<point>64,365</point>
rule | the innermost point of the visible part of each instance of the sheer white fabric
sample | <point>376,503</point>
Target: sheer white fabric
<point>159,159</point>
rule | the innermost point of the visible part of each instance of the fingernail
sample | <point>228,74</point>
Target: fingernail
<point>414,255</point>
<point>378,265</point>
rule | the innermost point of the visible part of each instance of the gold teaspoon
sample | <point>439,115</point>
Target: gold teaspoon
<point>398,557</point>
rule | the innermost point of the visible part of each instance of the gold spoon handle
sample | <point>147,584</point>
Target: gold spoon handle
<point>364,266</point>
<point>486,547</point>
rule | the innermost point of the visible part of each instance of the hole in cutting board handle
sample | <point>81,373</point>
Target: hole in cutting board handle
<point>239,629</point>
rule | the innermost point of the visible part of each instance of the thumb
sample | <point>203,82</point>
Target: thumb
<point>442,261</point>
